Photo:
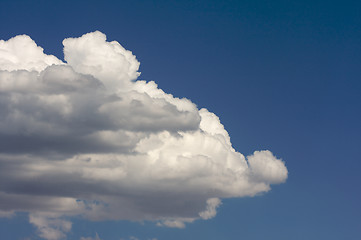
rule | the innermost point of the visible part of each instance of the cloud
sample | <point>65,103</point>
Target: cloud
<point>50,227</point>
<point>91,238</point>
<point>85,138</point>
<point>135,238</point>
<point>211,209</point>
<point>21,52</point>
<point>108,61</point>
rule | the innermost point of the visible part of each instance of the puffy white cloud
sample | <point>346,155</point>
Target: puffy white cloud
<point>83,138</point>
<point>21,52</point>
<point>108,61</point>
<point>267,168</point>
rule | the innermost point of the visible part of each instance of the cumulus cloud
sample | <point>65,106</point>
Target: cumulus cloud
<point>108,61</point>
<point>21,52</point>
<point>85,138</point>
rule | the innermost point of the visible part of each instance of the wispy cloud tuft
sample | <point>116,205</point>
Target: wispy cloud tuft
<point>91,238</point>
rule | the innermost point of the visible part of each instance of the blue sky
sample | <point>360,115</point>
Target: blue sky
<point>282,76</point>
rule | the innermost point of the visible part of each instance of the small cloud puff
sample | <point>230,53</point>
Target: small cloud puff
<point>84,138</point>
<point>91,238</point>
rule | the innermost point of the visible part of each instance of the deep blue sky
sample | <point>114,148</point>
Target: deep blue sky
<point>281,75</point>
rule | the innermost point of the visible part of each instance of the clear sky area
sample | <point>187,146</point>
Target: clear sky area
<point>87,152</point>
